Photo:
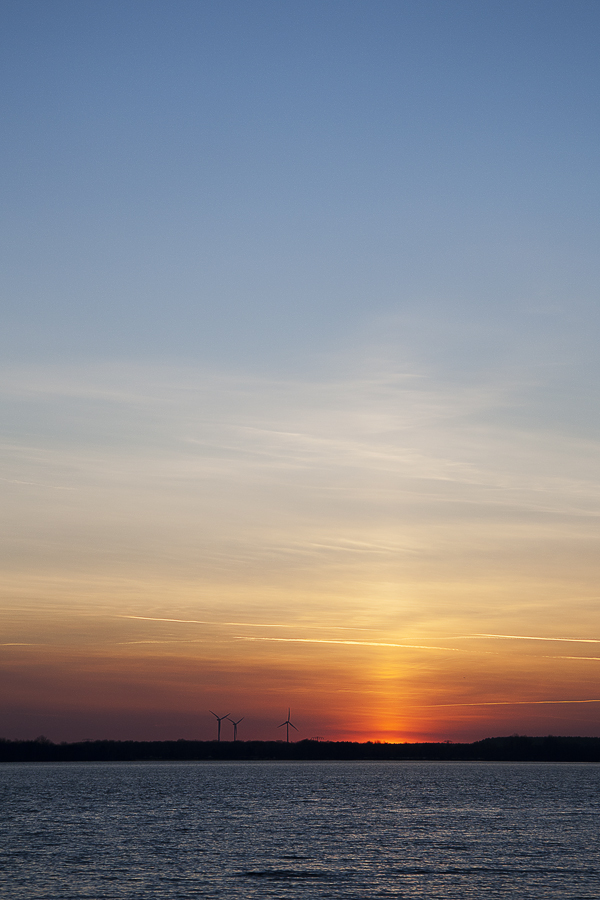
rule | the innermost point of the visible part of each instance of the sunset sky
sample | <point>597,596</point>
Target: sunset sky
<point>299,368</point>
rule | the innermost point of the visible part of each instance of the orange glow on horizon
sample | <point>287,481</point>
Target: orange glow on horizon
<point>99,673</point>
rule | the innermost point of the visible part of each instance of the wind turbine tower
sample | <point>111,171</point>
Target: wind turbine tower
<point>219,720</point>
<point>287,724</point>
<point>235,725</point>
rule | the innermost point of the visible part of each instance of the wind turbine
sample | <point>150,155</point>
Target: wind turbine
<point>235,725</point>
<point>219,720</point>
<point>287,724</point>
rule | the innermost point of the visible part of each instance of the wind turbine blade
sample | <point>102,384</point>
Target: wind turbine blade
<point>214,714</point>
<point>282,724</point>
<point>293,726</point>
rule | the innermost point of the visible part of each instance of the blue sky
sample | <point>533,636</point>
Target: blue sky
<point>299,328</point>
<point>257,181</point>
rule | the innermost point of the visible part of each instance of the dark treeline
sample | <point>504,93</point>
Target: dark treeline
<point>513,748</point>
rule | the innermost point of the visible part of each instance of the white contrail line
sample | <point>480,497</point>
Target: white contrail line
<point>520,637</point>
<point>174,641</point>
<point>247,624</point>
<point>525,637</point>
<point>503,703</point>
<point>597,658</point>
<point>206,622</point>
<point>357,643</point>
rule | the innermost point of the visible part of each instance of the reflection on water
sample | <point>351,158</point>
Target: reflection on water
<point>304,830</point>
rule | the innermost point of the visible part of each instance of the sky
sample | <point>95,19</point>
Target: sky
<point>298,368</point>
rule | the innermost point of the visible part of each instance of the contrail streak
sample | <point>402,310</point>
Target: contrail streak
<point>525,637</point>
<point>174,641</point>
<point>519,637</point>
<point>206,622</point>
<point>239,624</point>
<point>356,643</point>
<point>504,703</point>
<point>284,625</point>
<point>597,658</point>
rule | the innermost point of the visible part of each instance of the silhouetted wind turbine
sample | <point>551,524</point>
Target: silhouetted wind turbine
<point>219,720</point>
<point>235,725</point>
<point>287,724</point>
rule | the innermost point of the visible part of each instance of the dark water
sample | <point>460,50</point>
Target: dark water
<point>305,830</point>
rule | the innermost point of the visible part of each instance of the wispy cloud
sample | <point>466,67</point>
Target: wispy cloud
<point>401,432</point>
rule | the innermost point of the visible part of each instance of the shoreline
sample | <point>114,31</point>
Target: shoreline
<point>513,748</point>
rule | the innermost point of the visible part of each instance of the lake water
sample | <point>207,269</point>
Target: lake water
<point>302,830</point>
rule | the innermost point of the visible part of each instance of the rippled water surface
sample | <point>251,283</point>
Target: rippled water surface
<point>306,830</point>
